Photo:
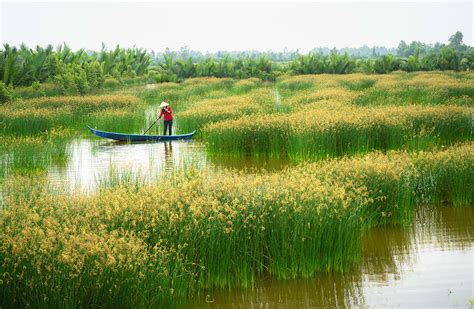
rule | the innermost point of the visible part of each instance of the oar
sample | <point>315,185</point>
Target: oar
<point>151,126</point>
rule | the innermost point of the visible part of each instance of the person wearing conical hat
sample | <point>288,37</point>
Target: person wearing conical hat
<point>167,114</point>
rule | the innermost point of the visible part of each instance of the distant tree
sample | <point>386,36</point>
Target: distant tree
<point>412,63</point>
<point>448,59</point>
<point>429,62</point>
<point>467,62</point>
<point>402,47</point>
<point>386,64</point>
<point>455,41</point>
<point>374,53</point>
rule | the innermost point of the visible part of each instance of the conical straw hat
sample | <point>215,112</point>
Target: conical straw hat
<point>163,104</point>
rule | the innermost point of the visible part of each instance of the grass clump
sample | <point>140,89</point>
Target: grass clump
<point>321,133</point>
<point>358,85</point>
<point>32,154</point>
<point>33,116</point>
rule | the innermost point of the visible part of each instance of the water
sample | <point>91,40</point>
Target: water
<point>427,265</point>
<point>91,162</point>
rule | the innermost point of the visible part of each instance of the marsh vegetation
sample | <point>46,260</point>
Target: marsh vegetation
<point>361,151</point>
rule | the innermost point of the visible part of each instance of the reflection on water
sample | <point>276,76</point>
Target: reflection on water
<point>427,265</point>
<point>93,161</point>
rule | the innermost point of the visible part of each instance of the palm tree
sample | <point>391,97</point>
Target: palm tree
<point>412,63</point>
<point>225,67</point>
<point>109,60</point>
<point>185,68</point>
<point>340,64</point>
<point>386,64</point>
<point>8,64</point>
<point>206,67</point>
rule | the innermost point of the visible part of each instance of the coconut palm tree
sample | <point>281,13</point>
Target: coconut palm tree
<point>340,64</point>
<point>386,64</point>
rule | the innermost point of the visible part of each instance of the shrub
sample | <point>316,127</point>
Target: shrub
<point>6,93</point>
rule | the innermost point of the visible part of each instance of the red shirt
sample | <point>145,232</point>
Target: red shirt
<point>167,113</point>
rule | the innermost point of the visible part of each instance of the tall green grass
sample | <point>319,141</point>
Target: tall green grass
<point>358,85</point>
<point>27,155</point>
<point>318,134</point>
<point>39,115</point>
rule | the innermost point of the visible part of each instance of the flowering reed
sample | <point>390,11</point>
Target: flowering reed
<point>151,245</point>
<point>38,115</point>
<point>321,132</point>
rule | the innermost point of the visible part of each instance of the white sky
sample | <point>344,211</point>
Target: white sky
<point>212,26</point>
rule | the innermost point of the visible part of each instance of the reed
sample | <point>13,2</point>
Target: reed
<point>153,244</point>
<point>33,116</point>
<point>445,177</point>
<point>150,243</point>
<point>214,110</point>
<point>358,85</point>
<point>32,154</point>
<point>329,132</point>
<point>421,88</point>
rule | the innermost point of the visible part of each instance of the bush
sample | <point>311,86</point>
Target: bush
<point>37,88</point>
<point>6,92</point>
<point>94,74</point>
<point>79,79</point>
<point>166,77</point>
<point>65,79</point>
<point>111,82</point>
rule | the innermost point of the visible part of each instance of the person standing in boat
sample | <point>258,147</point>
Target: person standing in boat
<point>167,114</point>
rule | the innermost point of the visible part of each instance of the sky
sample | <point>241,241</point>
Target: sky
<point>226,25</point>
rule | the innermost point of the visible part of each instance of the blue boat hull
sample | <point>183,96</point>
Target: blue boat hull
<point>139,137</point>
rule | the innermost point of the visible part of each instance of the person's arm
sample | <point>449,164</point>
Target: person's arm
<point>161,114</point>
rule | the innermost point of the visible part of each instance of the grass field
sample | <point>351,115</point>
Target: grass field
<point>365,151</point>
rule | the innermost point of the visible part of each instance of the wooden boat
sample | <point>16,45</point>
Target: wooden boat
<point>139,137</point>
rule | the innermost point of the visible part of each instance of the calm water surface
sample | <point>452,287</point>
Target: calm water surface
<point>91,162</point>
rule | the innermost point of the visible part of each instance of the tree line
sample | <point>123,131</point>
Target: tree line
<point>72,71</point>
<point>78,72</point>
<point>417,56</point>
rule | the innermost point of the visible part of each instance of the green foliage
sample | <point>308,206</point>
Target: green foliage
<point>358,85</point>
<point>173,70</point>
<point>79,79</point>
<point>65,79</point>
<point>36,87</point>
<point>366,66</point>
<point>449,59</point>
<point>467,62</point>
<point>318,64</point>
<point>23,65</point>
<point>94,75</point>
<point>411,64</point>
<point>6,93</point>
<point>386,64</point>
<point>111,82</point>
<point>119,62</point>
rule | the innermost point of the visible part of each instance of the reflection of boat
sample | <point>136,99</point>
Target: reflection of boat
<point>139,137</point>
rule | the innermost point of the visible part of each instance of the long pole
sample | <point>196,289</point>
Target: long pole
<point>151,126</point>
